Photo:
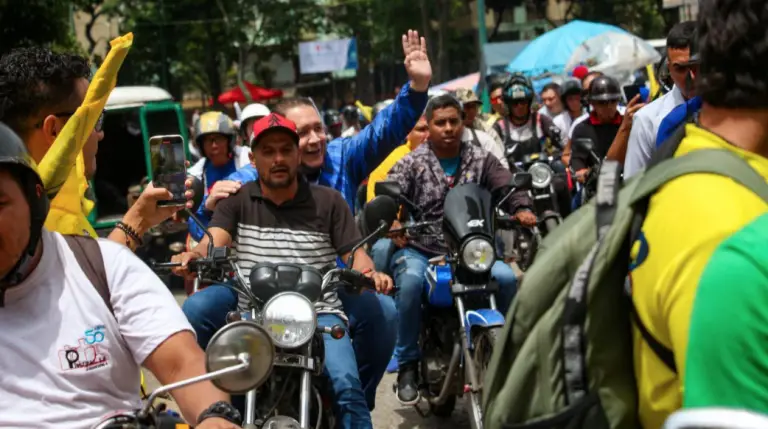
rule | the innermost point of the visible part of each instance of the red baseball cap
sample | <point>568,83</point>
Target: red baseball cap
<point>580,72</point>
<point>273,122</point>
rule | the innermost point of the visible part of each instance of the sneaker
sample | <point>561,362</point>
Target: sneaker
<point>392,366</point>
<point>408,385</point>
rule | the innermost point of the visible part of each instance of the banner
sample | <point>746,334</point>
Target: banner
<point>324,56</point>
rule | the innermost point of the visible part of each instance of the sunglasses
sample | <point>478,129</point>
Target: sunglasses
<point>99,122</point>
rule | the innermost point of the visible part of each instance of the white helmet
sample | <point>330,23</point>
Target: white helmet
<point>254,110</point>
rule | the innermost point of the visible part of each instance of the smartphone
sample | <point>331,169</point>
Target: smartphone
<point>630,91</point>
<point>169,169</point>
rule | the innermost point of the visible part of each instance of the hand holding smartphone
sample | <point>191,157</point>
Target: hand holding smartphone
<point>169,168</point>
<point>630,91</point>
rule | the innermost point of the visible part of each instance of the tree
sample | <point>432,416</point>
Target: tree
<point>36,23</point>
<point>94,9</point>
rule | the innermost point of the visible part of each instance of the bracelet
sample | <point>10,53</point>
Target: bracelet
<point>222,410</point>
<point>130,232</point>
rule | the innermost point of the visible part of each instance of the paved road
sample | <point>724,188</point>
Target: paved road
<point>389,414</point>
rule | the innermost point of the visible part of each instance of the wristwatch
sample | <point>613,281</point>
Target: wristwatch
<point>222,410</point>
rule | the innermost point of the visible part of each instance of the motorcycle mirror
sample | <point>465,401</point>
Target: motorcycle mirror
<point>584,144</point>
<point>199,189</point>
<point>382,208</point>
<point>522,180</point>
<point>388,188</point>
<point>232,341</point>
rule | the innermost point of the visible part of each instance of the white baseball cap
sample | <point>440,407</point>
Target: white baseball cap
<point>255,110</point>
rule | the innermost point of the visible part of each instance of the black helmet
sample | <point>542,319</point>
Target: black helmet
<point>518,87</point>
<point>331,117</point>
<point>381,105</point>
<point>350,114</point>
<point>14,156</point>
<point>570,87</point>
<point>604,88</point>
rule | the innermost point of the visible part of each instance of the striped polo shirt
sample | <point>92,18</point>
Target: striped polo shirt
<point>313,228</point>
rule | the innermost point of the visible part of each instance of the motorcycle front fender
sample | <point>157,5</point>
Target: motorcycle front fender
<point>482,318</point>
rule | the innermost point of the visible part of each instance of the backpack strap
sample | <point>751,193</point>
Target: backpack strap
<point>88,255</point>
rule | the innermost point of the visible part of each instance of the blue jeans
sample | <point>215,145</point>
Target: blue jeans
<point>381,253</point>
<point>409,266</point>
<point>372,321</point>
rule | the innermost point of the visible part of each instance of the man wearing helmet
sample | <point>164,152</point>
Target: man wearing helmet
<point>522,127</point>
<point>252,113</point>
<point>76,353</point>
<point>601,126</point>
<point>215,136</point>
<point>350,116</point>
<point>572,106</point>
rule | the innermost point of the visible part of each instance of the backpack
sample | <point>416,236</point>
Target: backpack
<point>564,357</point>
<point>88,255</point>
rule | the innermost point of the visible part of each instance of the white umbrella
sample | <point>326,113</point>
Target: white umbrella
<point>615,54</point>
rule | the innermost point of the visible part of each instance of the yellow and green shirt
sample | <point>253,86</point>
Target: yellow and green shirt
<point>687,220</point>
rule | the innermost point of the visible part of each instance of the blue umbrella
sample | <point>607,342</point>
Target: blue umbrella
<point>552,50</point>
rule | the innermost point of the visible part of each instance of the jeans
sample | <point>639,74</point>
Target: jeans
<point>381,253</point>
<point>409,266</point>
<point>372,323</point>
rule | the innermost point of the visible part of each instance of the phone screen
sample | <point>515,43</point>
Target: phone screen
<point>630,91</point>
<point>169,170</point>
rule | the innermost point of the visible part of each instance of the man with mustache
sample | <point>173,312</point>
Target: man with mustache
<point>342,165</point>
<point>283,218</point>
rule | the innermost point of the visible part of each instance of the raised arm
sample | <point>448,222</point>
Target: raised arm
<point>389,128</point>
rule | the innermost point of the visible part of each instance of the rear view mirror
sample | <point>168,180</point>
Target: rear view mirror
<point>388,188</point>
<point>584,144</point>
<point>522,180</point>
<point>383,208</point>
<point>235,340</point>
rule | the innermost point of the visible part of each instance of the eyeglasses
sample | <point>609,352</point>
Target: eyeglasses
<point>99,122</point>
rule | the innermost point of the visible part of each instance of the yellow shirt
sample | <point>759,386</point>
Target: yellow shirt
<point>380,173</point>
<point>687,219</point>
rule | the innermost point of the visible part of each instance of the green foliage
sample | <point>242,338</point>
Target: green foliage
<point>34,22</point>
<point>641,17</point>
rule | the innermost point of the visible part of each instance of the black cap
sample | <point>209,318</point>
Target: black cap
<point>604,88</point>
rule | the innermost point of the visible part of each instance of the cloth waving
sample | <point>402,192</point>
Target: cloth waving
<point>62,169</point>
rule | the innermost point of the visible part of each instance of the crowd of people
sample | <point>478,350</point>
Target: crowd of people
<point>277,185</point>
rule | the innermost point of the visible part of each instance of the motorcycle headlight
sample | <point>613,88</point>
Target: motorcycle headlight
<point>290,319</point>
<point>541,174</point>
<point>478,255</point>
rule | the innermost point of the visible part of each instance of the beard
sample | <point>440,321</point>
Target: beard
<point>271,183</point>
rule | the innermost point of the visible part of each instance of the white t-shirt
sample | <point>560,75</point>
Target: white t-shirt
<point>66,360</point>
<point>486,142</point>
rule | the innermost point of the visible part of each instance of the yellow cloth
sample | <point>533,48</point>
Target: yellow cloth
<point>69,207</point>
<point>687,219</point>
<point>380,173</point>
<point>367,110</point>
<point>655,87</point>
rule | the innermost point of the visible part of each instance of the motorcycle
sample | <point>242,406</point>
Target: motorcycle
<point>234,361</point>
<point>459,296</point>
<point>589,188</point>
<point>281,298</point>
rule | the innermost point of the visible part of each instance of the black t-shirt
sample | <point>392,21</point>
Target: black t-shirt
<point>601,134</point>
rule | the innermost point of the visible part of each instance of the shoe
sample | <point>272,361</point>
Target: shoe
<point>392,366</point>
<point>407,384</point>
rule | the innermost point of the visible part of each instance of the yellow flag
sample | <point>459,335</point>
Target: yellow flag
<point>367,110</point>
<point>62,169</point>
<point>655,87</point>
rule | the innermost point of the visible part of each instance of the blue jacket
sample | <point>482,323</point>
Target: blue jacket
<point>211,175</point>
<point>349,160</point>
<point>675,118</point>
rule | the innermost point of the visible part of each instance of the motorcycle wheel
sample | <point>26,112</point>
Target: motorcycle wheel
<point>483,341</point>
<point>445,409</point>
<point>550,224</point>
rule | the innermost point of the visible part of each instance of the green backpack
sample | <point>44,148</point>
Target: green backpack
<point>564,357</point>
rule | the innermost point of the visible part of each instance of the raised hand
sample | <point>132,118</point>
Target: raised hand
<point>416,61</point>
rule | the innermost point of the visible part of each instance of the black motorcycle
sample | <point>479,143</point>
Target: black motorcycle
<point>589,188</point>
<point>281,298</point>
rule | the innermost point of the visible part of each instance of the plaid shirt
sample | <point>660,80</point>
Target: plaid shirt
<point>422,180</point>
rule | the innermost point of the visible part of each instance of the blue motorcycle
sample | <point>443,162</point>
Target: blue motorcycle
<point>460,321</point>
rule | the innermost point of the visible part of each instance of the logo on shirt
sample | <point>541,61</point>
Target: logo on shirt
<point>89,354</point>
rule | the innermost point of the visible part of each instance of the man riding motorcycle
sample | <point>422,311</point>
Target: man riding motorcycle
<point>342,164</point>
<point>215,135</point>
<point>74,351</point>
<point>425,175</point>
<point>282,218</point>
<point>529,132</point>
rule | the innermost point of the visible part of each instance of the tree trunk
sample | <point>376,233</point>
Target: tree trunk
<point>426,32</point>
<point>212,69</point>
<point>443,72</point>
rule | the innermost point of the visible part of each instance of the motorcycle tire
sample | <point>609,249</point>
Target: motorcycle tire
<point>483,341</point>
<point>445,409</point>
